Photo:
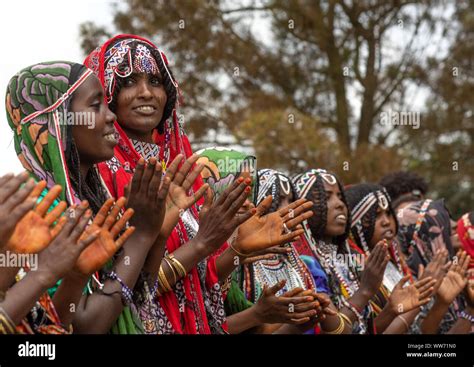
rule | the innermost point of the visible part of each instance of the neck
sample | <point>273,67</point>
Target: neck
<point>84,169</point>
<point>145,137</point>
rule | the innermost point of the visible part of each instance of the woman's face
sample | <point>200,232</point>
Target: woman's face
<point>384,228</point>
<point>337,211</point>
<point>140,103</point>
<point>95,137</point>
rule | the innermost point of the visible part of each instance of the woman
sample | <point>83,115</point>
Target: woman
<point>287,266</point>
<point>425,235</point>
<point>374,220</point>
<point>222,166</point>
<point>141,90</point>
<point>37,100</point>
<point>326,239</point>
<point>465,231</point>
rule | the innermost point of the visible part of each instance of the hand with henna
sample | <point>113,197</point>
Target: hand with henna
<point>264,231</point>
<point>37,228</point>
<point>108,227</point>
<point>15,202</point>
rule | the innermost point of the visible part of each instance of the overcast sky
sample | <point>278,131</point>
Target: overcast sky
<point>35,31</point>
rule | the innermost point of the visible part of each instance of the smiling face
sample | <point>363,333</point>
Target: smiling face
<point>384,227</point>
<point>94,144</point>
<point>140,104</point>
<point>337,211</point>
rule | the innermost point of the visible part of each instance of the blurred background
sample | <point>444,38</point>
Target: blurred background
<point>361,88</point>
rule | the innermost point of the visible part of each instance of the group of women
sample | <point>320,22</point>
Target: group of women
<point>134,234</point>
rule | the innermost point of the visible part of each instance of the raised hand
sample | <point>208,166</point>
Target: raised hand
<point>455,280</point>
<point>470,289</point>
<point>15,202</point>
<point>61,255</point>
<point>372,276</point>
<point>147,195</point>
<point>36,229</point>
<point>263,231</point>
<point>405,299</point>
<point>436,269</point>
<point>290,308</point>
<point>178,199</point>
<point>218,220</point>
<point>108,240</point>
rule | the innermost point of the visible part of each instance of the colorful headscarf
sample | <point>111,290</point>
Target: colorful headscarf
<point>309,185</point>
<point>195,306</point>
<point>36,98</point>
<point>288,266</point>
<point>465,231</point>
<point>363,200</point>
<point>424,228</point>
<point>274,183</point>
<point>222,166</point>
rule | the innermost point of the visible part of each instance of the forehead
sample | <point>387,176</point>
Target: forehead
<point>328,187</point>
<point>90,87</point>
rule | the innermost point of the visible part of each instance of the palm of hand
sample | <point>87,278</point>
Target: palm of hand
<point>405,299</point>
<point>98,253</point>
<point>258,233</point>
<point>451,286</point>
<point>176,201</point>
<point>31,235</point>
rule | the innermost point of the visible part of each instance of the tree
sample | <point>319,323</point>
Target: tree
<point>249,68</point>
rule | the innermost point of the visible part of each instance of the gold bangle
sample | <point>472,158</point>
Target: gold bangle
<point>163,281</point>
<point>340,327</point>
<point>6,324</point>
<point>237,252</point>
<point>180,269</point>
<point>346,318</point>
<point>172,269</point>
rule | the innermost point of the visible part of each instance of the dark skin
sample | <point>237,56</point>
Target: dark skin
<point>384,228</point>
<point>372,275</point>
<point>89,98</point>
<point>92,144</point>
<point>141,89</point>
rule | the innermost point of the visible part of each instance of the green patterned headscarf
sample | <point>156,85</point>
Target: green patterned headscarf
<point>36,98</point>
<point>223,165</point>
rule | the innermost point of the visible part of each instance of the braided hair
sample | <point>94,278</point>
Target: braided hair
<point>355,194</point>
<point>168,85</point>
<point>88,188</point>
<point>318,222</point>
<point>271,182</point>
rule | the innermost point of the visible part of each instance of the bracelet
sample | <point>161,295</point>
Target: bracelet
<point>172,269</point>
<point>237,252</point>
<point>127,294</point>
<point>346,318</point>
<point>163,281</point>
<point>353,308</point>
<point>340,327</point>
<point>177,265</point>
<point>464,315</point>
<point>404,321</point>
<point>6,324</point>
